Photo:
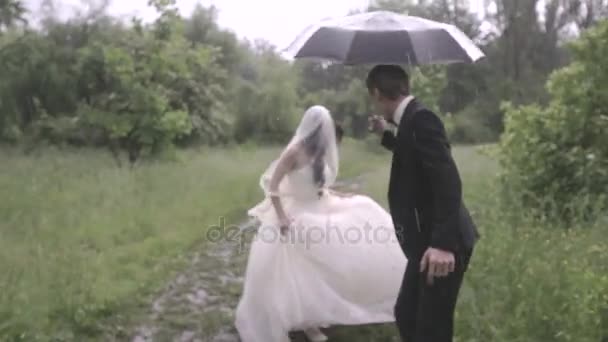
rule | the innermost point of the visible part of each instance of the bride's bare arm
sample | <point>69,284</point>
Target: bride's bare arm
<point>341,190</point>
<point>342,194</point>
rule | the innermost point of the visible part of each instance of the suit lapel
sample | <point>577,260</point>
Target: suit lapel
<point>407,116</point>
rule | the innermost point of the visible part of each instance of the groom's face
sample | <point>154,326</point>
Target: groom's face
<point>382,104</point>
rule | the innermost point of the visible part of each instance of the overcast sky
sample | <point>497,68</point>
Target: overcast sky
<point>277,21</point>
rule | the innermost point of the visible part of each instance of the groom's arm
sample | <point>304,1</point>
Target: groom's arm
<point>388,140</point>
<point>433,150</point>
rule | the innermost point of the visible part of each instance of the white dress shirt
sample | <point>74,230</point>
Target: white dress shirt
<point>401,108</point>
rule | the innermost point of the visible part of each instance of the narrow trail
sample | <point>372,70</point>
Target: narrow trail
<point>198,305</point>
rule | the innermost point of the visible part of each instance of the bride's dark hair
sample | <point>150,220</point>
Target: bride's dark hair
<point>315,148</point>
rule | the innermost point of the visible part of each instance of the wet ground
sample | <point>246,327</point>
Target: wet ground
<point>198,305</point>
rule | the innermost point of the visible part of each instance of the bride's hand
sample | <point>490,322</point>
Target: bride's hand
<point>284,224</point>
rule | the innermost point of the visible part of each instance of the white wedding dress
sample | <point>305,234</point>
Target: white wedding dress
<point>340,264</point>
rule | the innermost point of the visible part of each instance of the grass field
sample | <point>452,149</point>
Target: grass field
<point>85,246</point>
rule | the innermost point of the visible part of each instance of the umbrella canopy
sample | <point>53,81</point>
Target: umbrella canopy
<point>383,37</point>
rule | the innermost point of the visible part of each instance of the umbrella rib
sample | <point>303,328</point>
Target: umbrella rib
<point>349,51</point>
<point>411,44</point>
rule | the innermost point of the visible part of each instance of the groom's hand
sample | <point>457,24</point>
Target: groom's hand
<point>437,263</point>
<point>377,124</point>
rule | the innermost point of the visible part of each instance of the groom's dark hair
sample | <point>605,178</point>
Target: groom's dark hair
<point>391,81</point>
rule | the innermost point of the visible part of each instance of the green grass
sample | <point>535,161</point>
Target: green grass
<point>84,246</point>
<point>528,281</point>
<point>83,240</point>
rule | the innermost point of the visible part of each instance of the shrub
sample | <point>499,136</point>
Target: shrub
<point>469,127</point>
<point>555,158</point>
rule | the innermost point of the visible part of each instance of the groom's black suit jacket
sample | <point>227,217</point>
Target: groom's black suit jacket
<point>425,190</point>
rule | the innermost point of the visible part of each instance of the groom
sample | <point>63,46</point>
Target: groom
<point>434,228</point>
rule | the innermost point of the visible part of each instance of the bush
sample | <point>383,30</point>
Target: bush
<point>556,156</point>
<point>469,127</point>
<point>530,282</point>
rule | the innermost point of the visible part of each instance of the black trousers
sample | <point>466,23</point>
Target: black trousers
<point>425,313</point>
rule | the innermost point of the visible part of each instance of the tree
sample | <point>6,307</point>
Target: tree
<point>11,12</point>
<point>150,89</point>
<point>201,28</point>
<point>92,80</point>
<point>267,102</point>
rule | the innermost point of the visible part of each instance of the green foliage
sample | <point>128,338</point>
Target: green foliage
<point>266,104</point>
<point>342,90</point>
<point>143,92</point>
<point>529,281</point>
<point>140,88</point>
<point>84,244</point>
<point>556,157</point>
<point>11,12</point>
<point>195,67</point>
<point>427,83</point>
<point>349,104</point>
<point>469,126</point>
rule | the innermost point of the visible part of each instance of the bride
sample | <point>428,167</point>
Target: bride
<point>319,257</point>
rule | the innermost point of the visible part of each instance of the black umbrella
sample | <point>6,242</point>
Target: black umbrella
<point>385,38</point>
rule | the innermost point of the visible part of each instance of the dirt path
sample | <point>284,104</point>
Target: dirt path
<point>198,306</point>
